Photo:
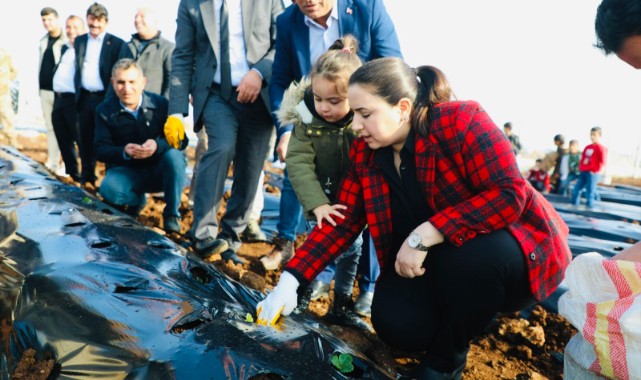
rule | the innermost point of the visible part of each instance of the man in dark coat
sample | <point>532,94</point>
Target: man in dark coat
<point>130,140</point>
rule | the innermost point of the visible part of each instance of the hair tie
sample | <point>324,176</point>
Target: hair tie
<point>418,78</point>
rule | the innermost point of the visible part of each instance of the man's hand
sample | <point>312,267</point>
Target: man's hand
<point>175,130</point>
<point>282,300</point>
<point>281,148</point>
<point>249,87</point>
<point>140,152</point>
<point>328,212</point>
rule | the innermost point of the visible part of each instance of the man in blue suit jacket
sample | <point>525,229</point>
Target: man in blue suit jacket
<point>303,32</point>
<point>367,20</point>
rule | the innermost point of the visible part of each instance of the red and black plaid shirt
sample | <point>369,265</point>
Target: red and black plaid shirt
<point>468,174</point>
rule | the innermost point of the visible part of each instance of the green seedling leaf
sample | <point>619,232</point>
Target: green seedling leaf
<point>343,362</point>
<point>87,200</point>
<point>249,318</point>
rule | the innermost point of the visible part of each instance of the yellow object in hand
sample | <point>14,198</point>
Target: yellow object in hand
<point>263,321</point>
<point>174,131</point>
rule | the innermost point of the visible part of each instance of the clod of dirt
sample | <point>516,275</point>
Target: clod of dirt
<point>239,273</point>
<point>253,280</point>
<point>530,376</point>
<point>539,316</point>
<point>230,269</point>
<point>522,352</point>
<point>30,368</point>
<point>521,328</point>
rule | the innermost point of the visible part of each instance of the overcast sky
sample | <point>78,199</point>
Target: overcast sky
<point>529,62</point>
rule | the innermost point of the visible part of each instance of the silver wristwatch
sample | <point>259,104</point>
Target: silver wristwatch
<point>414,241</point>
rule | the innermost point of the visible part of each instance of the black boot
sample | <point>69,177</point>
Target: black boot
<point>342,313</point>
<point>304,299</point>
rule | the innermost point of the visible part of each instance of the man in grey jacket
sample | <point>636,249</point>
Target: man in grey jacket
<point>151,51</point>
<point>223,59</point>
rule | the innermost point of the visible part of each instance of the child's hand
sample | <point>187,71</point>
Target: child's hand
<point>328,212</point>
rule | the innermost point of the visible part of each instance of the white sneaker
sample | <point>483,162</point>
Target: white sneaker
<point>363,305</point>
<point>61,172</point>
<point>319,289</point>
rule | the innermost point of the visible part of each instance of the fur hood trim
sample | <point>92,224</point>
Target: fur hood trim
<point>293,109</point>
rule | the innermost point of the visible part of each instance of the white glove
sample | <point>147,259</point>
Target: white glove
<point>282,300</point>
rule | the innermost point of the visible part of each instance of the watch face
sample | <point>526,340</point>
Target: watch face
<point>414,240</point>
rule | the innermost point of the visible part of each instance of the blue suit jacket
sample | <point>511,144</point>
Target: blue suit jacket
<point>367,20</point>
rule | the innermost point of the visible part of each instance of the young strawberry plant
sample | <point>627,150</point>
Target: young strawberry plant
<point>343,362</point>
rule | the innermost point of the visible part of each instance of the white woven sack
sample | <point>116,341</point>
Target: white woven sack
<point>603,302</point>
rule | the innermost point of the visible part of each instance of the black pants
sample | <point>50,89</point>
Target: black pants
<point>457,297</point>
<point>65,125</point>
<point>87,104</point>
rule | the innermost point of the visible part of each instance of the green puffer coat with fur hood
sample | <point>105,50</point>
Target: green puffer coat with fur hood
<point>318,151</point>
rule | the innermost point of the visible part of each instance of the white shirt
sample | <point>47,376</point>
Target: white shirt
<point>237,50</point>
<point>90,79</point>
<point>63,77</point>
<point>320,39</point>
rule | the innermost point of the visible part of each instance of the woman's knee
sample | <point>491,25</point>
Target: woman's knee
<point>399,329</point>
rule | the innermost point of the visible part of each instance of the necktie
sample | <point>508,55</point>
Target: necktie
<point>225,67</point>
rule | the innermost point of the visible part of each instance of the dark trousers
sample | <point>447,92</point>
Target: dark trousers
<point>237,132</point>
<point>462,290</point>
<point>65,125</point>
<point>87,104</point>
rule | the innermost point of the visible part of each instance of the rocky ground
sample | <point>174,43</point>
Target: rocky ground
<point>515,346</point>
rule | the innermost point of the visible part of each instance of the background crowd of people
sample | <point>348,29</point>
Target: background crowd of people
<point>567,170</point>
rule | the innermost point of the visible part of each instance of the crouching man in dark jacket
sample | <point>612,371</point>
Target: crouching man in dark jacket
<point>140,154</point>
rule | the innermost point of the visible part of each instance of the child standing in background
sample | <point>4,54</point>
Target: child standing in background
<point>570,167</point>
<point>592,163</point>
<point>539,178</point>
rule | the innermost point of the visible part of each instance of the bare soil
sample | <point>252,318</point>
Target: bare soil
<point>515,346</point>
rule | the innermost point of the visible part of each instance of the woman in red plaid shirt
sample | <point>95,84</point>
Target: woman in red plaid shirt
<point>460,234</point>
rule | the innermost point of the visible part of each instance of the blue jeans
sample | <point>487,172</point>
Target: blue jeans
<point>127,185</point>
<point>587,180</point>
<point>565,184</point>
<point>343,268</point>
<point>291,212</point>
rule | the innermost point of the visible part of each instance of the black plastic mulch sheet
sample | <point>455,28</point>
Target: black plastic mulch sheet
<point>106,297</point>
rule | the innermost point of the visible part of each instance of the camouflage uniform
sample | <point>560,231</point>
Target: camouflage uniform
<point>8,73</point>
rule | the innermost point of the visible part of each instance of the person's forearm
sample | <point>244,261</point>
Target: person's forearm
<point>632,253</point>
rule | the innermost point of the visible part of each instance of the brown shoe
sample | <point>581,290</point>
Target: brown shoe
<point>283,251</point>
